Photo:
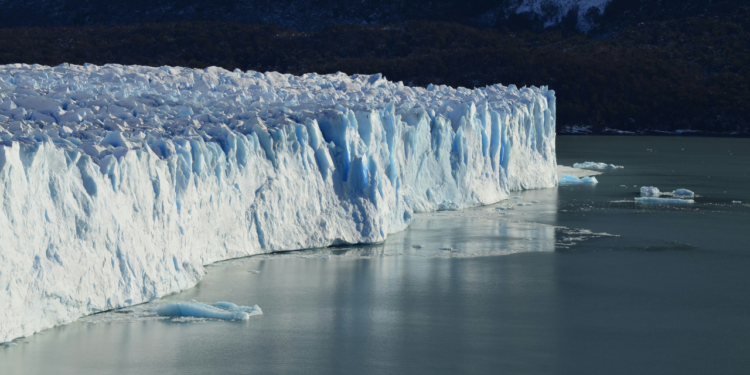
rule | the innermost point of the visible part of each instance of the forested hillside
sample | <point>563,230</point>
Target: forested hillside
<point>689,73</point>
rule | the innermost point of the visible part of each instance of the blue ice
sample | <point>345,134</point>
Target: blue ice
<point>683,193</point>
<point>220,310</point>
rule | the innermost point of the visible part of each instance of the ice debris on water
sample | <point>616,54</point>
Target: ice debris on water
<point>650,191</point>
<point>663,200</point>
<point>683,193</point>
<point>594,165</point>
<point>573,180</point>
<point>736,202</point>
<point>219,310</point>
<point>193,166</point>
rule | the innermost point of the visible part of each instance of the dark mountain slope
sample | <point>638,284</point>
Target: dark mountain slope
<point>314,14</point>
<point>678,74</point>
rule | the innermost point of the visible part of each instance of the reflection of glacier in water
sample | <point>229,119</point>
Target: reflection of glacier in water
<point>482,231</point>
<point>478,232</point>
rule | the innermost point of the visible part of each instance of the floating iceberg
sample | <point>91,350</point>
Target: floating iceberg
<point>252,310</point>
<point>650,191</point>
<point>683,193</point>
<point>573,180</point>
<point>120,183</point>
<point>663,200</point>
<point>219,310</point>
<point>594,165</point>
<point>577,172</point>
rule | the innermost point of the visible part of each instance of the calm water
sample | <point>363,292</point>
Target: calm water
<point>651,290</point>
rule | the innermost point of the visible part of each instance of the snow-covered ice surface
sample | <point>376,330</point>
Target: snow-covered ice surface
<point>119,183</point>
<point>551,12</point>
<point>595,165</point>
<point>542,7</point>
<point>573,180</point>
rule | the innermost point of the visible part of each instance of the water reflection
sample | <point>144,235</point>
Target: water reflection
<point>474,232</point>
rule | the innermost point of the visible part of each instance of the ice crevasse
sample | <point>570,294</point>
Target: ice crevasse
<point>119,183</point>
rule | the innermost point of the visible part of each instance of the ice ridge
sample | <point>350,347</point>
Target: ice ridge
<point>119,183</point>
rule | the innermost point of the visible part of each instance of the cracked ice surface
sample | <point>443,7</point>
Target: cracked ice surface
<point>119,183</point>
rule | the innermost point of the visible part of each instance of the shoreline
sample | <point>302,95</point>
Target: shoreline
<point>652,133</point>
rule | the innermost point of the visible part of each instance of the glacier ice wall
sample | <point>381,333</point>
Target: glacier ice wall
<point>118,183</point>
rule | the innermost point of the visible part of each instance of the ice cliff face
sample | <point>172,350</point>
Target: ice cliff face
<point>118,183</point>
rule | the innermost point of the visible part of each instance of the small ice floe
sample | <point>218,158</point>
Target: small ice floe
<point>534,201</point>
<point>525,204</point>
<point>650,191</point>
<point>683,193</point>
<point>663,200</point>
<point>573,180</point>
<point>253,271</point>
<point>517,197</point>
<point>219,310</point>
<point>736,202</point>
<point>594,165</point>
<point>446,248</point>
<point>624,186</point>
<point>578,172</point>
<point>417,246</point>
<point>504,208</point>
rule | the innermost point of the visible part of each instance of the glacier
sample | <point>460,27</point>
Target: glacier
<point>119,183</point>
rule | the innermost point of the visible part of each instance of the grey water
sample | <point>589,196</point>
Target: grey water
<point>583,281</point>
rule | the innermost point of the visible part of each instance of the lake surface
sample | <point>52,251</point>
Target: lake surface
<point>584,281</point>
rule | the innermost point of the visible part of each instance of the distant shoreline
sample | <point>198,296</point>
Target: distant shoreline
<point>653,133</point>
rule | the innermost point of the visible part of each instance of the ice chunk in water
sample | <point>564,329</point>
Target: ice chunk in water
<point>650,191</point>
<point>663,200</point>
<point>594,165</point>
<point>252,311</point>
<point>573,180</point>
<point>683,193</point>
<point>220,310</point>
